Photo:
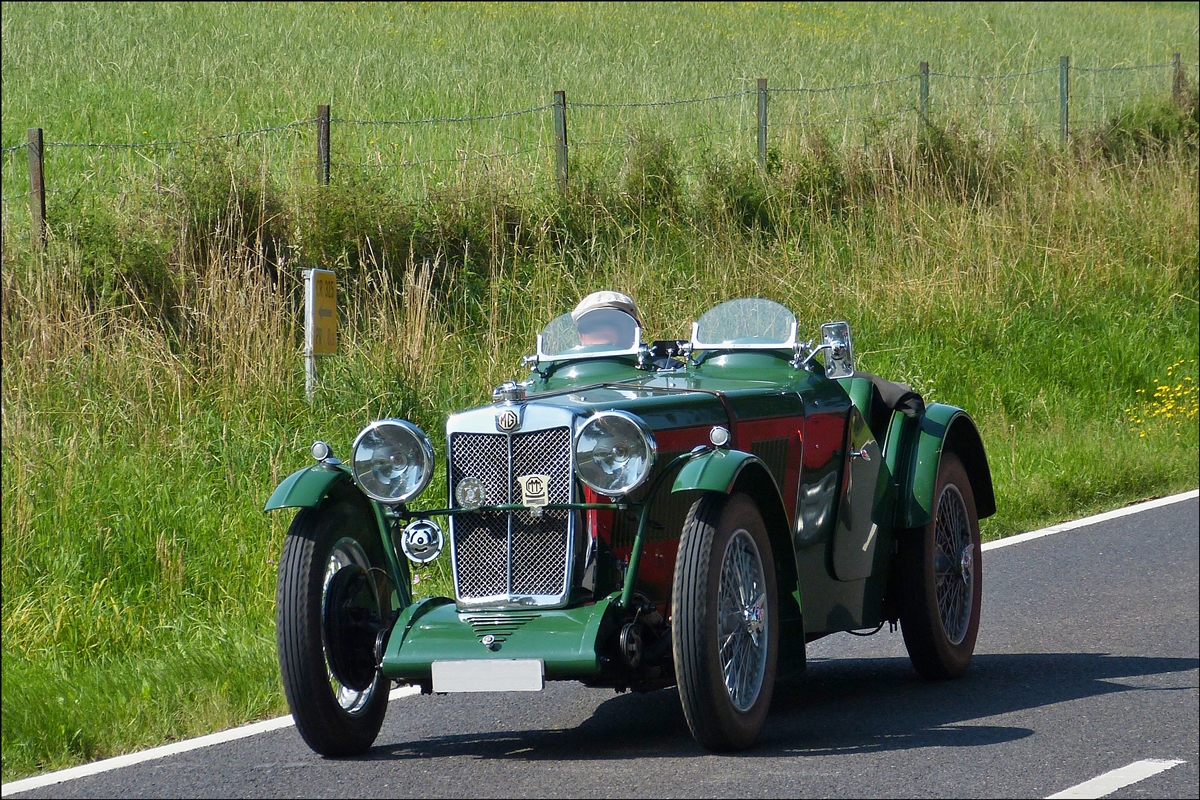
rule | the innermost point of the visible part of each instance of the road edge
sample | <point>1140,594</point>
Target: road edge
<point>1117,513</point>
<point>183,746</point>
<point>255,728</point>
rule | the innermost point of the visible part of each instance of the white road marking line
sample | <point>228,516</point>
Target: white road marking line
<point>1082,523</point>
<point>129,759</point>
<point>96,767</point>
<point>1109,782</point>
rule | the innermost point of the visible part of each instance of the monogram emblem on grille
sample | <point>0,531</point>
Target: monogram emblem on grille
<point>470,493</point>
<point>535,490</point>
<point>508,420</point>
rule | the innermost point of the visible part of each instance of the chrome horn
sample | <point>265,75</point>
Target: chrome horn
<point>422,541</point>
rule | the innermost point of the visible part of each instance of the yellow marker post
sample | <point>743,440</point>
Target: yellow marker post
<point>320,322</point>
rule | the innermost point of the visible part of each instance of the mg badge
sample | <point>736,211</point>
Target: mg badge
<point>535,490</point>
<point>508,420</point>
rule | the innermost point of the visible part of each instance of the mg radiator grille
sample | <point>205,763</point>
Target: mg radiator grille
<point>511,552</point>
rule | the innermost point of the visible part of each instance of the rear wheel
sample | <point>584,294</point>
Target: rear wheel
<point>725,628</point>
<point>941,576</point>
<point>330,604</point>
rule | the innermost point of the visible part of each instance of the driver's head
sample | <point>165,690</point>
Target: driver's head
<point>606,318</point>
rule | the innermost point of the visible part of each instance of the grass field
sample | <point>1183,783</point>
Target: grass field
<point>138,73</point>
<point>152,380</point>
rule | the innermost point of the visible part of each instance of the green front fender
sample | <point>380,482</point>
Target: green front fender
<point>306,488</point>
<point>716,471</point>
<point>942,428</point>
<point>727,471</point>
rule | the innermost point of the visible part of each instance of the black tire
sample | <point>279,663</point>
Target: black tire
<point>941,579</point>
<point>332,718</point>
<point>720,534</point>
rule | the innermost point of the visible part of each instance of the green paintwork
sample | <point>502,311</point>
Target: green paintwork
<point>639,539</point>
<point>306,488</point>
<point>653,399</point>
<point>434,630</point>
<point>832,535</point>
<point>397,566</point>
<point>940,424</point>
<point>859,390</point>
<point>565,374</point>
<point>716,471</point>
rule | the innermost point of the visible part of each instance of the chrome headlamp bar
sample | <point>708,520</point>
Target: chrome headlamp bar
<point>408,513</point>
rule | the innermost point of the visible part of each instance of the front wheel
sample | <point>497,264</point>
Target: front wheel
<point>330,603</point>
<point>941,575</point>
<point>725,626</point>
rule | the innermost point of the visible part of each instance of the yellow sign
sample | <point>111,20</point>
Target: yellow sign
<point>320,311</point>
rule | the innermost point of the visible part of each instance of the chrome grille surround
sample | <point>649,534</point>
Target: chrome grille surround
<point>511,559</point>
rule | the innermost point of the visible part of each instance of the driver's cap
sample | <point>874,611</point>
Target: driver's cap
<point>606,299</point>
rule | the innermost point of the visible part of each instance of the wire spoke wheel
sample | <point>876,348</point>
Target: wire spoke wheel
<point>742,621</point>
<point>955,564</point>
<point>940,587</point>
<point>724,630</point>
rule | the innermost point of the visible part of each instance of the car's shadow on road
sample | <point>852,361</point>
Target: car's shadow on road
<point>838,706</point>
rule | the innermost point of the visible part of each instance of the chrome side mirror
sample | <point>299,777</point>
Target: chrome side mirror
<point>839,361</point>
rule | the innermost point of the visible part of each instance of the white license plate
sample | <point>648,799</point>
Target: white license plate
<point>489,675</point>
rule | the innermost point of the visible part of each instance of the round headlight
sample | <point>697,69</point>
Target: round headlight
<point>614,452</point>
<point>392,460</point>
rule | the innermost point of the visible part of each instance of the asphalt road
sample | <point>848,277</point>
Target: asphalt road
<point>1086,661</point>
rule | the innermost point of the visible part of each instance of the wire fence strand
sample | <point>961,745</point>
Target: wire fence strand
<point>1012,111</point>
<point>993,77</point>
<point>827,89</point>
<point>442,120</point>
<point>655,103</point>
<point>458,160</point>
<point>1120,68</point>
<point>180,142</point>
<point>995,104</point>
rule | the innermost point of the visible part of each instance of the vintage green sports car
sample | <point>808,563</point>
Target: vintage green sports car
<point>636,516</point>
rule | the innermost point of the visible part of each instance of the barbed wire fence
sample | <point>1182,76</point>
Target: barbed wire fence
<point>525,150</point>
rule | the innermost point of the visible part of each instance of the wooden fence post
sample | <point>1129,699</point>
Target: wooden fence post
<point>37,191</point>
<point>323,144</point>
<point>762,124</point>
<point>1064,96</point>
<point>1177,80</point>
<point>924,72</point>
<point>560,138</point>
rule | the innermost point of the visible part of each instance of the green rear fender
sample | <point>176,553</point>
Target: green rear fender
<point>942,428</point>
<point>306,488</point>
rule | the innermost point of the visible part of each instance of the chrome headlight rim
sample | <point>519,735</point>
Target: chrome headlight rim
<point>425,448</point>
<point>648,442</point>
